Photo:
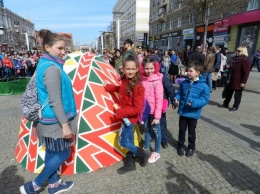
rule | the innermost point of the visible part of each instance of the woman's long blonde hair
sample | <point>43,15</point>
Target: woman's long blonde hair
<point>243,50</point>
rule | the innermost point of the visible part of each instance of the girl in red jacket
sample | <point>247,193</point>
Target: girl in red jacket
<point>131,102</point>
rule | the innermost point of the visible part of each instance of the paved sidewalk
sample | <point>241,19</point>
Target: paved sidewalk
<point>226,159</point>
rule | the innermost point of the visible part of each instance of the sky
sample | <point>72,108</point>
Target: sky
<point>84,19</point>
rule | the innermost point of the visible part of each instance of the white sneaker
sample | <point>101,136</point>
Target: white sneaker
<point>154,157</point>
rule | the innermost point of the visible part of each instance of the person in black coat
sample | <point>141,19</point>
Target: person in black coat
<point>168,94</point>
<point>197,56</point>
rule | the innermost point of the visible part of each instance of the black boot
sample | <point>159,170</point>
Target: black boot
<point>129,164</point>
<point>143,155</point>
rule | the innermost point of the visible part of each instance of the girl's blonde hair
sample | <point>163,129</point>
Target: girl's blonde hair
<point>243,50</point>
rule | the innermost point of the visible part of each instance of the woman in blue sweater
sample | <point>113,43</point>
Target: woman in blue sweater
<point>192,95</point>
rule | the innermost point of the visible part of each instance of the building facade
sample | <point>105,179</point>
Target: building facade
<point>131,17</point>
<point>174,27</point>
<point>15,31</point>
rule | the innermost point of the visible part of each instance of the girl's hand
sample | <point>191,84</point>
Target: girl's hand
<point>242,85</point>
<point>155,122</point>
<point>67,133</point>
<point>176,101</point>
<point>116,106</point>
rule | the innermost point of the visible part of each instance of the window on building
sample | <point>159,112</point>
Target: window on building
<point>179,23</point>
<point>180,4</point>
<point>190,20</point>
<point>163,26</point>
<point>170,24</point>
<point>172,5</point>
<point>253,4</point>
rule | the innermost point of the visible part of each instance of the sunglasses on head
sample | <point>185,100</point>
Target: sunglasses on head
<point>238,51</point>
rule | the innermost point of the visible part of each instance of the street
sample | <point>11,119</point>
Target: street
<point>226,160</point>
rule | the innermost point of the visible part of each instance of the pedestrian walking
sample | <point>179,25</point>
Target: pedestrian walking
<point>57,126</point>
<point>239,73</point>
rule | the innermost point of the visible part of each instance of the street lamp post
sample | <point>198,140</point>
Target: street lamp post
<point>118,27</point>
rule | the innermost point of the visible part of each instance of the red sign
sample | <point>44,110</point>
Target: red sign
<point>220,26</point>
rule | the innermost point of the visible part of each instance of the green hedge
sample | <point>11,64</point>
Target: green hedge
<point>13,86</point>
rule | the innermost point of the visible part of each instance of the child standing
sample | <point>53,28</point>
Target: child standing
<point>131,101</point>
<point>192,95</point>
<point>152,82</point>
<point>58,124</point>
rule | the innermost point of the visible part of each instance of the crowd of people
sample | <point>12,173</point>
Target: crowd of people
<point>147,75</point>
<point>18,64</point>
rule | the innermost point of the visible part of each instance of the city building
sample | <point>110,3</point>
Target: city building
<point>174,27</point>
<point>106,41</point>
<point>2,3</point>
<point>15,31</point>
<point>131,20</point>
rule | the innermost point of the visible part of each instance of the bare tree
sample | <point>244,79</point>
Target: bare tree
<point>110,27</point>
<point>203,10</point>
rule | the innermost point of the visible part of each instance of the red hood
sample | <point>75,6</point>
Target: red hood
<point>156,68</point>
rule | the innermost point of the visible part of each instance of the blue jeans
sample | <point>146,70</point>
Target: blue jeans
<point>53,160</point>
<point>164,129</point>
<point>8,72</point>
<point>126,138</point>
<point>149,129</point>
<point>208,78</point>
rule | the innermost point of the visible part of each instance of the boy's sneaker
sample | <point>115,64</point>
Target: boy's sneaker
<point>180,152</point>
<point>28,188</point>
<point>60,187</point>
<point>154,157</point>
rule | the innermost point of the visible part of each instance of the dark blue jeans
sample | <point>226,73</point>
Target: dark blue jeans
<point>126,138</point>
<point>53,161</point>
<point>8,72</point>
<point>184,123</point>
<point>164,129</point>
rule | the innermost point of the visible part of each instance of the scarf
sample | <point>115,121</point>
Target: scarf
<point>53,58</point>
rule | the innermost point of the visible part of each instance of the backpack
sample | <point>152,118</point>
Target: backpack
<point>30,105</point>
<point>28,63</point>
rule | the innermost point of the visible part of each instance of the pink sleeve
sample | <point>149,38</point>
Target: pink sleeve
<point>158,94</point>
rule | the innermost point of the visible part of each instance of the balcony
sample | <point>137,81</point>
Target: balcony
<point>162,17</point>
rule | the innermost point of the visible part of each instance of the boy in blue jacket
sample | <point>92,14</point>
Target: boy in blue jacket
<point>192,95</point>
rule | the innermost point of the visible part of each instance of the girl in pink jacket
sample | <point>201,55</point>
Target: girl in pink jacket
<point>152,82</point>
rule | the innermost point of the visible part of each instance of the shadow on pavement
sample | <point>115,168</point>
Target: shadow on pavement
<point>252,91</point>
<point>10,181</point>
<point>253,144</point>
<point>184,183</point>
<point>213,103</point>
<point>236,173</point>
<point>253,128</point>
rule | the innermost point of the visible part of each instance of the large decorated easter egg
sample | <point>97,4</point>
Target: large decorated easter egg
<point>97,137</point>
